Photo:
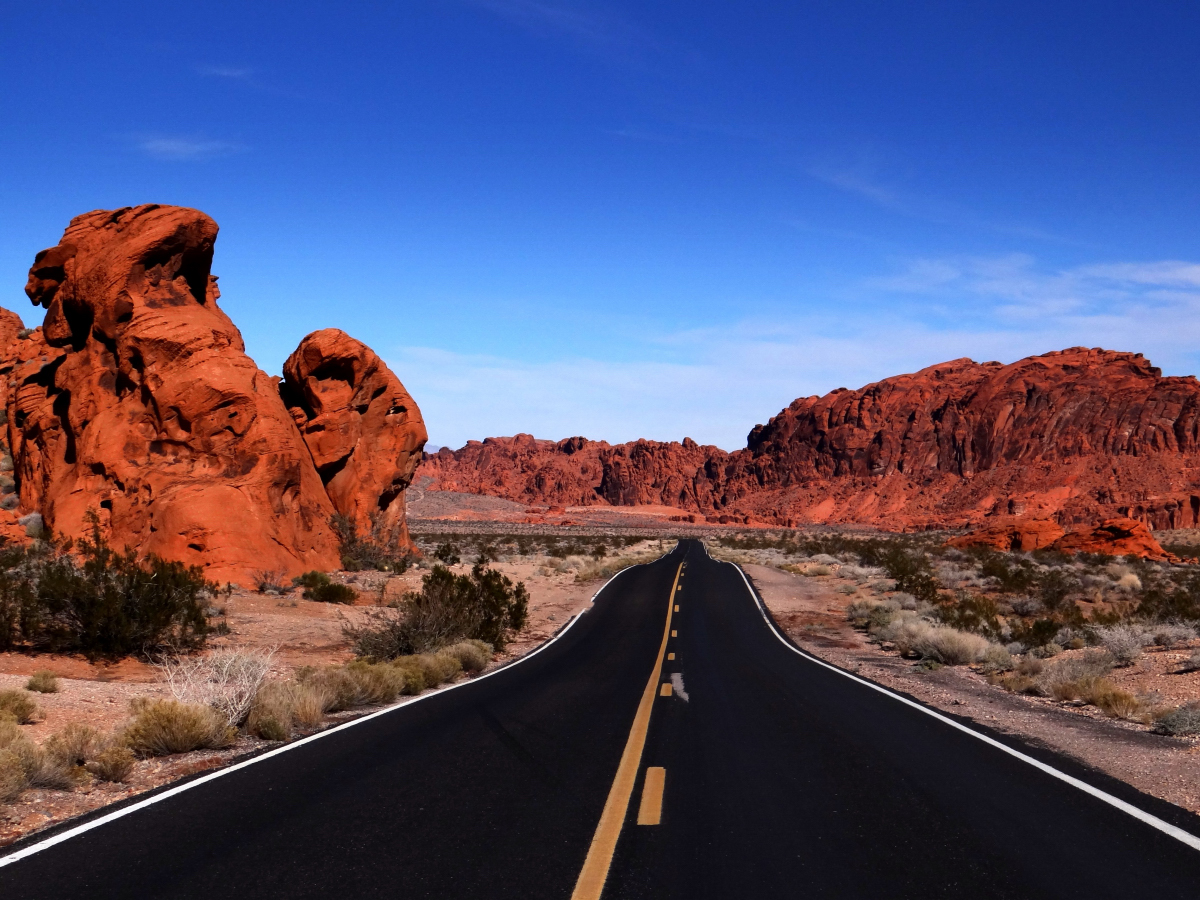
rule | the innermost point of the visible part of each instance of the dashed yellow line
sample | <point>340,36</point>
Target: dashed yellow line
<point>604,842</point>
<point>665,690</point>
<point>650,809</point>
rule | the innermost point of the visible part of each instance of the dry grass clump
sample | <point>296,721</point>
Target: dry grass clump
<point>163,727</point>
<point>1064,679</point>
<point>113,762</point>
<point>12,776</point>
<point>280,707</point>
<point>1179,722</point>
<point>472,655</point>
<point>605,568</point>
<point>18,705</point>
<point>42,681</point>
<point>23,765</point>
<point>227,680</point>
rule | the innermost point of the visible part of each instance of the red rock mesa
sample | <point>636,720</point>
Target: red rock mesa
<point>1076,436</point>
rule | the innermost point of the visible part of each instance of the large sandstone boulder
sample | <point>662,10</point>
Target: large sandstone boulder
<point>1115,537</point>
<point>136,399</point>
<point>1020,536</point>
<point>364,430</point>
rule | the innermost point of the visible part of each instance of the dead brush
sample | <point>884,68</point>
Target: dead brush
<point>74,745</point>
<point>164,727</point>
<point>226,680</point>
<point>39,768</point>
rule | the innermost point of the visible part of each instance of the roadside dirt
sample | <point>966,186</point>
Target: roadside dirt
<point>813,612</point>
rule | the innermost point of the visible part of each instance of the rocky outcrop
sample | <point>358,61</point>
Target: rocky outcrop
<point>1076,436</point>
<point>136,400</point>
<point>1020,536</point>
<point>362,427</point>
<point>1115,537</point>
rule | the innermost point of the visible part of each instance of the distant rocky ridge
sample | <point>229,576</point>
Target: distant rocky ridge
<point>136,401</point>
<point>1077,436</point>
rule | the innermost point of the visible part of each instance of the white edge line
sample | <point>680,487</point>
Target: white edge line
<point>157,798</point>
<point>1141,815</point>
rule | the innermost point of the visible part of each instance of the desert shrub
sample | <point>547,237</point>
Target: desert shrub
<point>912,572</point>
<point>97,601</point>
<point>356,684</point>
<point>1017,683</point>
<point>74,745</point>
<point>447,554</point>
<point>484,605</point>
<point>1103,694</point>
<point>226,680</point>
<point>40,769</point>
<point>12,776</point>
<point>951,647</point>
<point>609,566</point>
<point>971,612</point>
<point>113,762</point>
<point>282,706</point>
<point>859,612</point>
<point>1193,662</point>
<point>1171,634</point>
<point>1027,606</point>
<point>163,727</point>
<point>997,659</point>
<point>1124,642</point>
<point>1047,651</point>
<point>1030,665</point>
<point>473,656</point>
<point>19,705</point>
<point>42,681</point>
<point>1063,678</point>
<point>383,548</point>
<point>311,579</point>
<point>270,581</point>
<point>1183,720</point>
<point>332,593</point>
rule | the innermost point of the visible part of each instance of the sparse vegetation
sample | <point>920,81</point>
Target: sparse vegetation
<point>227,680</point>
<point>163,727</point>
<point>381,549</point>
<point>18,705</point>
<point>97,601</point>
<point>42,681</point>
<point>484,605</point>
<point>320,587</point>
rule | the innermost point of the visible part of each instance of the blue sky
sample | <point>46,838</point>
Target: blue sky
<point>624,219</point>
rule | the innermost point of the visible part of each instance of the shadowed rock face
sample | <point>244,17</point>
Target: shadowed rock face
<point>1077,436</point>
<point>362,427</point>
<point>136,399</point>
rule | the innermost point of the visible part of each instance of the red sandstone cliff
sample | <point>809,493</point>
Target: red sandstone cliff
<point>1078,436</point>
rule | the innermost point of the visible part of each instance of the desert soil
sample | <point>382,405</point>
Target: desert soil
<point>813,612</point>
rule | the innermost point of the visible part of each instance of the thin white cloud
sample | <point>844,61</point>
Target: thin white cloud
<point>726,379</point>
<point>180,148</point>
<point>232,72</point>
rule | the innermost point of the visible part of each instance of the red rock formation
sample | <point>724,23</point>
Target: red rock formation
<point>363,428</point>
<point>1023,535</point>
<point>137,397</point>
<point>1116,537</point>
<point>1077,436</point>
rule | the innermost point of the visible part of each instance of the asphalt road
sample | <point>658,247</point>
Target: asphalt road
<point>781,778</point>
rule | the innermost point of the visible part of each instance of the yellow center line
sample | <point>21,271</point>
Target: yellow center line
<point>604,842</point>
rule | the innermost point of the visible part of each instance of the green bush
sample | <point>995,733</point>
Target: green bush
<point>383,548</point>
<point>484,605</point>
<point>332,593</point>
<point>108,604</point>
<point>447,554</point>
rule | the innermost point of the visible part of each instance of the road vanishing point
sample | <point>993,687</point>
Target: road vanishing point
<point>669,743</point>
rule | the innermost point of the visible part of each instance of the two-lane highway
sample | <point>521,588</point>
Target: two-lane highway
<point>758,772</point>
